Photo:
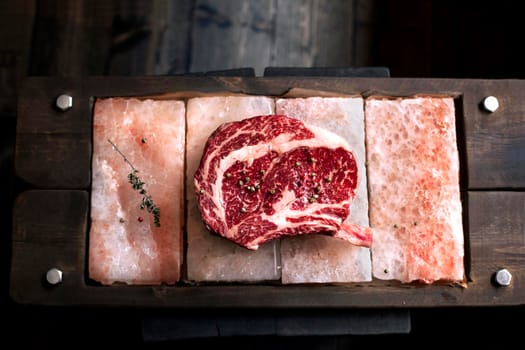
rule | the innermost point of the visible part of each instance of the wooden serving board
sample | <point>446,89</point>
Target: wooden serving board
<point>53,161</point>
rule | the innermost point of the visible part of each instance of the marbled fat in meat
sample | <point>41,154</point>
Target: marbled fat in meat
<point>318,258</point>
<point>211,257</point>
<point>270,176</point>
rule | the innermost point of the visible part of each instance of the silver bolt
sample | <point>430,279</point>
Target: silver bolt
<point>503,277</point>
<point>54,276</point>
<point>490,103</point>
<point>64,102</point>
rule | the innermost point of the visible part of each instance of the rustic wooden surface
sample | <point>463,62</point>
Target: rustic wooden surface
<point>71,38</point>
<point>491,150</point>
<point>269,33</point>
<point>16,25</point>
<point>159,37</point>
<point>54,147</point>
<point>492,167</point>
<point>412,38</point>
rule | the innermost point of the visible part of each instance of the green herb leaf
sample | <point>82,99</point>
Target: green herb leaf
<point>137,184</point>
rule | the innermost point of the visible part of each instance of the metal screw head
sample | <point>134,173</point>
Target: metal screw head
<point>64,102</point>
<point>490,104</point>
<point>54,276</point>
<point>503,277</point>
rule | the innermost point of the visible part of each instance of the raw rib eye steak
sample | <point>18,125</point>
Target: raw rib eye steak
<point>270,176</point>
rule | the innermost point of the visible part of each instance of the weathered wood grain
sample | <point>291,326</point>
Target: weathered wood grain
<point>257,34</point>
<point>496,141</point>
<point>306,34</point>
<point>53,147</point>
<point>71,38</point>
<point>332,30</point>
<point>54,160</point>
<point>16,24</point>
<point>492,146</point>
<point>159,37</point>
<point>241,33</point>
<point>151,38</point>
<point>364,35</point>
<point>494,219</point>
<point>172,50</point>
<point>49,230</point>
<point>497,237</point>
<point>37,219</point>
<point>293,35</point>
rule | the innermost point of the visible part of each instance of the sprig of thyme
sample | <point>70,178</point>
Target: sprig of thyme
<point>138,185</point>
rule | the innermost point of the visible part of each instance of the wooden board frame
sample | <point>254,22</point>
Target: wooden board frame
<point>53,160</point>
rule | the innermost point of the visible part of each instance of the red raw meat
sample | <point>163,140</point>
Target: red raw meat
<point>271,176</point>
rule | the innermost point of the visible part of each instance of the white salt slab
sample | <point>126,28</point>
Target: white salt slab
<point>210,257</point>
<point>322,259</point>
<point>415,205</point>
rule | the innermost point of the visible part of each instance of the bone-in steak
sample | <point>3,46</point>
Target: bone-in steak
<point>270,176</point>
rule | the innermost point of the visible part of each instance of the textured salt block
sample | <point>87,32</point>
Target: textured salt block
<point>413,175</point>
<point>316,258</point>
<point>211,257</point>
<point>125,245</point>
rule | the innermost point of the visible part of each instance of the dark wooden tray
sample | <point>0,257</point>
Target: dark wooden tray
<point>53,162</point>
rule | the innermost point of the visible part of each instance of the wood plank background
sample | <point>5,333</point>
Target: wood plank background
<point>115,37</point>
<point>118,37</point>
<point>170,37</point>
